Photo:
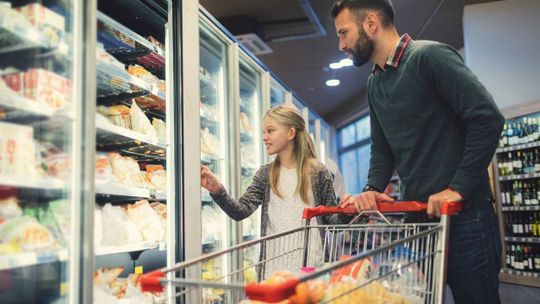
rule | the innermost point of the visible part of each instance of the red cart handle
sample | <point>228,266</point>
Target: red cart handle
<point>271,292</point>
<point>152,281</point>
<point>449,208</point>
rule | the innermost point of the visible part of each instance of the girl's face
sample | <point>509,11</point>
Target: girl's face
<point>277,137</point>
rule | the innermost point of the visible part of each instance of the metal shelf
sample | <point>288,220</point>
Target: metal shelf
<point>116,189</point>
<point>143,52</point>
<point>142,246</point>
<point>31,258</point>
<point>521,208</point>
<point>19,38</point>
<point>520,277</point>
<point>519,176</point>
<point>532,240</point>
<point>113,81</point>
<point>48,183</point>
<point>519,147</point>
<point>24,110</point>
<point>114,138</point>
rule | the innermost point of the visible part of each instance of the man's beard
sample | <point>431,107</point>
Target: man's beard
<point>362,49</point>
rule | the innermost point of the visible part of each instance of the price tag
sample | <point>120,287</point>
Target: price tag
<point>138,270</point>
<point>63,288</point>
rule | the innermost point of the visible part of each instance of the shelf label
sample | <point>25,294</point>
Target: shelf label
<point>63,288</point>
<point>161,246</point>
<point>138,269</point>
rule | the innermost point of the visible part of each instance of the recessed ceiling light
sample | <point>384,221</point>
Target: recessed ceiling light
<point>346,62</point>
<point>335,65</point>
<point>332,82</point>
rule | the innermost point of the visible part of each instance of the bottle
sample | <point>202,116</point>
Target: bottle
<point>526,194</point>
<point>537,258</point>
<point>516,163</point>
<point>509,164</point>
<point>513,257</point>
<point>507,257</point>
<point>534,195</point>
<point>536,161</point>
<point>510,134</point>
<point>503,139</point>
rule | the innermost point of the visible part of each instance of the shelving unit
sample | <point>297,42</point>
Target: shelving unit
<point>517,209</point>
<point>31,258</point>
<point>143,246</point>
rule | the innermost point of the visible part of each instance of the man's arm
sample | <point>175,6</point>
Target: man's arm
<point>381,164</point>
<point>468,98</point>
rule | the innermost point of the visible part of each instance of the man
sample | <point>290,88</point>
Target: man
<point>437,125</point>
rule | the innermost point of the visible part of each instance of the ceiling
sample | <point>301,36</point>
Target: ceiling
<point>303,64</point>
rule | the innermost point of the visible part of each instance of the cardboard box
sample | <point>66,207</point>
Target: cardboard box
<point>47,87</point>
<point>49,23</point>
<point>17,150</point>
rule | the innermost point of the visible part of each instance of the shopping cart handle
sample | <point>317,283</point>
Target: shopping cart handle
<point>271,292</point>
<point>152,281</point>
<point>449,208</point>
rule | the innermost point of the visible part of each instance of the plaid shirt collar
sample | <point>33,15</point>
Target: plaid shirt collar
<point>395,56</point>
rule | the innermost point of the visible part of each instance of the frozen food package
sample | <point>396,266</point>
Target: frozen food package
<point>103,56</point>
<point>208,142</point>
<point>120,230</point>
<point>158,179</point>
<point>103,167</point>
<point>9,204</point>
<point>27,232</point>
<point>49,23</point>
<point>118,115</point>
<point>161,129</point>
<point>161,211</point>
<point>156,43</point>
<point>48,88</point>
<point>17,150</point>
<point>126,170</point>
<point>146,220</point>
<point>107,276</point>
<point>140,123</point>
<point>59,166</point>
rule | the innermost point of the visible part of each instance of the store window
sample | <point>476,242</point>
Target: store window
<point>354,148</point>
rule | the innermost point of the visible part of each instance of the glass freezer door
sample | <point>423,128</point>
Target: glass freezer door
<point>36,151</point>
<point>216,146</point>
<point>277,94</point>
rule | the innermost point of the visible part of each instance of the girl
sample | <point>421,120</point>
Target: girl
<point>294,180</point>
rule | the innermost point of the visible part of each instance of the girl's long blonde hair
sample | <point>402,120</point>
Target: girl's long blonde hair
<point>303,150</point>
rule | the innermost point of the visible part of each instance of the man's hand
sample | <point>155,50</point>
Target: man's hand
<point>365,201</point>
<point>209,181</point>
<point>436,201</point>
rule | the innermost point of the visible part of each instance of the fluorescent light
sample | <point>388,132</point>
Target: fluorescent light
<point>332,82</point>
<point>335,65</point>
<point>346,62</point>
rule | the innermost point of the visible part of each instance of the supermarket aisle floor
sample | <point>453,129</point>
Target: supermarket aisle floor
<point>510,294</point>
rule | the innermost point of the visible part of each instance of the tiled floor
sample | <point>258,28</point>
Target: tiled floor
<point>510,294</point>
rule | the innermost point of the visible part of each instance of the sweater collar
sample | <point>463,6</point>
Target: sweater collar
<point>395,56</point>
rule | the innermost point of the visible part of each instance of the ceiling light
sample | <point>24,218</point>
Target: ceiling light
<point>346,62</point>
<point>332,82</point>
<point>336,65</point>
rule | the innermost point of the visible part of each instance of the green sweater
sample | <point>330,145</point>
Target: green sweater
<point>434,122</point>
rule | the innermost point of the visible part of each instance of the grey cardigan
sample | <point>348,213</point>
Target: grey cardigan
<point>258,193</point>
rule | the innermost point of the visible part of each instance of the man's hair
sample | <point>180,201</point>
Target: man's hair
<point>384,9</point>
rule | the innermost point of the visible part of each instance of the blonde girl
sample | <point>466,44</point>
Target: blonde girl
<point>294,180</point>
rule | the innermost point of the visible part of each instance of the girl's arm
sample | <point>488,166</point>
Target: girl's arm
<point>248,202</point>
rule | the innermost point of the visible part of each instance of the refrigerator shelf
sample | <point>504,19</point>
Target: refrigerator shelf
<point>43,183</point>
<point>128,46</point>
<point>112,80</point>
<point>15,108</point>
<point>31,258</point>
<point>520,208</point>
<point>16,38</point>
<point>522,239</point>
<point>117,189</point>
<point>142,246</point>
<point>114,138</point>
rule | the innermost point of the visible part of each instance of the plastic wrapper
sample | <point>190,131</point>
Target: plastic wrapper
<point>9,204</point>
<point>140,123</point>
<point>103,167</point>
<point>118,115</point>
<point>27,233</point>
<point>126,170</point>
<point>161,129</point>
<point>45,21</point>
<point>146,221</point>
<point>120,230</point>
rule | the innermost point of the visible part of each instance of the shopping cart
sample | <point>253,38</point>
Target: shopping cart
<point>377,262</point>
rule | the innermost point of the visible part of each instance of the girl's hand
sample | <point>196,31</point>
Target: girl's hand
<point>209,181</point>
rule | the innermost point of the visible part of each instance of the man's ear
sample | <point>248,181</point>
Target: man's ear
<point>292,134</point>
<point>371,23</point>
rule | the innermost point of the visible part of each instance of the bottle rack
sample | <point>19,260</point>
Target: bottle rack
<point>516,172</point>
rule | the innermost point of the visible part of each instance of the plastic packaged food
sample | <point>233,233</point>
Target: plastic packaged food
<point>140,123</point>
<point>146,220</point>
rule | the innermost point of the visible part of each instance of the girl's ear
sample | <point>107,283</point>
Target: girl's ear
<point>292,134</point>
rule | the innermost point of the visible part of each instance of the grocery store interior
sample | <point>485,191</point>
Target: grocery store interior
<point>108,109</point>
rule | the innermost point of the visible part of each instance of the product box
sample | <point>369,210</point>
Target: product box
<point>14,81</point>
<point>47,87</point>
<point>17,150</point>
<point>47,22</point>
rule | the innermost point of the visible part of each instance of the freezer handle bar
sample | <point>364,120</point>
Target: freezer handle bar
<point>449,208</point>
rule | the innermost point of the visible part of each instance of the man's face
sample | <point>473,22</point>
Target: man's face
<point>353,39</point>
